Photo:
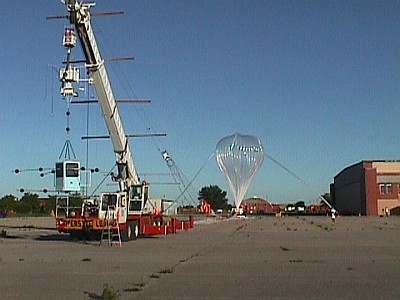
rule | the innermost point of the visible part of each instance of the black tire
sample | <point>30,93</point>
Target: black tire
<point>126,235</point>
<point>134,229</point>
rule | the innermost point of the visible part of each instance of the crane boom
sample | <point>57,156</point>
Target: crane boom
<point>80,17</point>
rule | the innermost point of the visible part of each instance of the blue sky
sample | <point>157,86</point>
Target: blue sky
<point>318,82</point>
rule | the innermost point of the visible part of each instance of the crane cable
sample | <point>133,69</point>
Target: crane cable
<point>194,178</point>
<point>128,88</point>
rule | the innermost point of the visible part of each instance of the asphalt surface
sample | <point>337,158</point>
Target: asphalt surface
<point>255,258</point>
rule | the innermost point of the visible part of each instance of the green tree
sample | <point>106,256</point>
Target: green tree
<point>215,196</point>
<point>52,203</point>
<point>8,203</point>
<point>29,203</point>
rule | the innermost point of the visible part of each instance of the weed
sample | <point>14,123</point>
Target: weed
<point>109,293</point>
<point>284,248</point>
<point>239,227</point>
<point>137,287</point>
<point>190,257</point>
<point>167,271</point>
<point>140,284</point>
<point>155,276</point>
<point>134,289</point>
<point>86,259</point>
<point>296,260</point>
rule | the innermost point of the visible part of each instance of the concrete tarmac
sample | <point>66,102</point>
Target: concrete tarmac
<point>257,258</point>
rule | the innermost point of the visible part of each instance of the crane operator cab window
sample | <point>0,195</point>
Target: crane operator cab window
<point>137,197</point>
<point>68,176</point>
<point>108,201</point>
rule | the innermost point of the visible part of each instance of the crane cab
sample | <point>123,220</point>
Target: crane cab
<point>138,195</point>
<point>68,177</point>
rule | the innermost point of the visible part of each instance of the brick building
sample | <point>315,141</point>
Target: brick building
<point>367,188</point>
<point>257,206</point>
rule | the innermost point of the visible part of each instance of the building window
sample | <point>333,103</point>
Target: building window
<point>385,188</point>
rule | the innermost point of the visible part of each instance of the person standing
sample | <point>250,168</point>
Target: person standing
<point>333,215</point>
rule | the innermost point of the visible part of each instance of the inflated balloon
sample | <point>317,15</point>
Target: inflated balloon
<point>239,157</point>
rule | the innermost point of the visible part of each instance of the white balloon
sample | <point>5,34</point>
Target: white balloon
<point>239,157</point>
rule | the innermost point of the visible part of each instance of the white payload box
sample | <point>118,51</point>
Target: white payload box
<point>68,177</point>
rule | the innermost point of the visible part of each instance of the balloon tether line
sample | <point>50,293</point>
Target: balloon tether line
<point>194,178</point>
<point>299,178</point>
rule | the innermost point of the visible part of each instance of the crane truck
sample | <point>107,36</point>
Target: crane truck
<point>129,207</point>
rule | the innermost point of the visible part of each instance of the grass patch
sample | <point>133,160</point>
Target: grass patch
<point>296,260</point>
<point>134,289</point>
<point>140,284</point>
<point>166,271</point>
<point>239,227</point>
<point>137,287</point>
<point>284,248</point>
<point>86,259</point>
<point>108,294</point>
<point>190,257</point>
<point>155,276</point>
<point>290,229</point>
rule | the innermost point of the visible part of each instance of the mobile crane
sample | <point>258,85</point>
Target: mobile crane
<point>128,205</point>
